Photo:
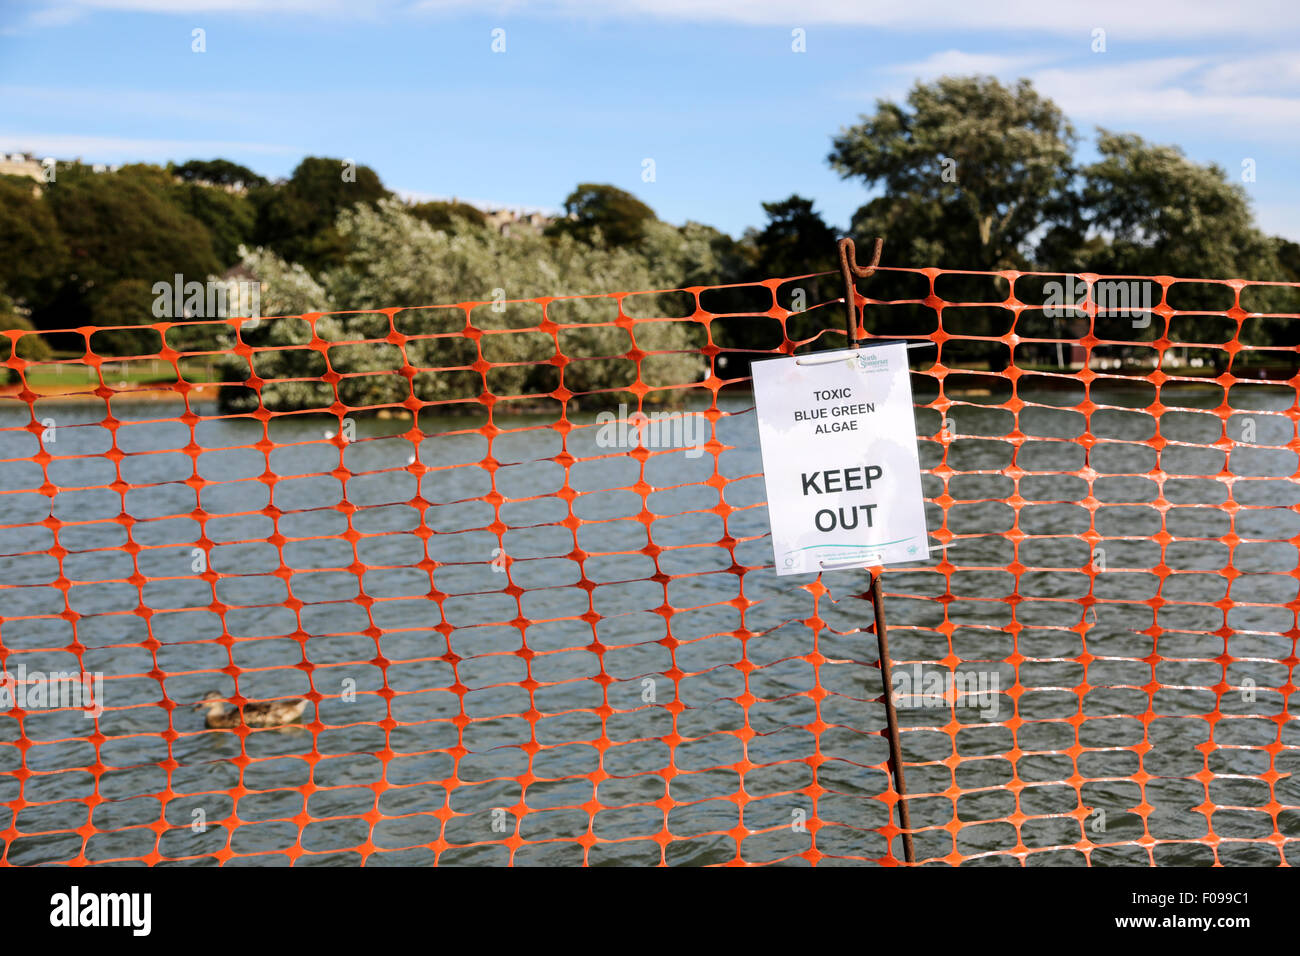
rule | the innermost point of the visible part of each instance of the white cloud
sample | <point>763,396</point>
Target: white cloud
<point>53,16</point>
<point>1258,98</point>
<point>957,62</point>
<point>1175,90</point>
<point>1122,19</point>
<point>62,12</point>
<point>1113,75</point>
<point>1125,21</point>
<point>1270,73</point>
<point>207,107</point>
<point>117,149</point>
<point>331,7</point>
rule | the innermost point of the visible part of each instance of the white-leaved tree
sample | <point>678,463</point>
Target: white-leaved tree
<point>396,261</point>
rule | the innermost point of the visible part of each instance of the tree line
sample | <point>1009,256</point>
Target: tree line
<point>965,173</point>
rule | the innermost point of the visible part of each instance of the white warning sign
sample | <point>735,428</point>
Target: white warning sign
<point>840,461</point>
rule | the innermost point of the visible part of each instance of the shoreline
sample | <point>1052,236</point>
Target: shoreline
<point>73,394</point>
<point>160,392</point>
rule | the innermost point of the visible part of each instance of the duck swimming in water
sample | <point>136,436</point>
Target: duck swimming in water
<point>273,713</point>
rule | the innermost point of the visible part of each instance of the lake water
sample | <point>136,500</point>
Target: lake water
<point>554,688</point>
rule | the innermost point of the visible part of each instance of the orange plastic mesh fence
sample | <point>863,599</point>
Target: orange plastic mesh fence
<point>533,627</point>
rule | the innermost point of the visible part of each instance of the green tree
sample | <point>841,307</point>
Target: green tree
<point>448,216</point>
<point>297,218</point>
<point>970,169</point>
<point>1159,213</point>
<point>32,252</point>
<point>33,348</point>
<point>692,254</point>
<point>147,174</point>
<point>218,172</point>
<point>796,241</point>
<point>118,227</point>
<point>1162,214</point>
<point>396,259</point>
<point>1288,258</point>
<point>229,217</point>
<point>119,303</point>
<point>286,287</point>
<point>595,209</point>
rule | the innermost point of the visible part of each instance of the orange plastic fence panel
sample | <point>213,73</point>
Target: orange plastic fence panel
<point>511,562</point>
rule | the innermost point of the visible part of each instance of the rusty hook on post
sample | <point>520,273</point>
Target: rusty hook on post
<point>850,269</point>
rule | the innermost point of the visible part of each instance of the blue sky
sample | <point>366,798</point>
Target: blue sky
<point>711,91</point>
